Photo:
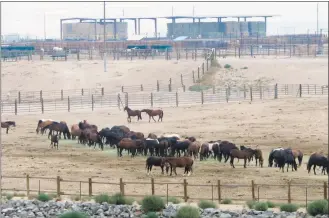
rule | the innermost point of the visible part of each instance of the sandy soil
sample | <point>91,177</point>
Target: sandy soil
<point>298,123</point>
<point>270,70</point>
<point>24,75</point>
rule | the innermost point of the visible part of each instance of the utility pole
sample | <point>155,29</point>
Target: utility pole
<point>44,25</point>
<point>104,56</point>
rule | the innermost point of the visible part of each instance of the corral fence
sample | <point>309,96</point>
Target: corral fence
<point>289,192</point>
<point>164,99</point>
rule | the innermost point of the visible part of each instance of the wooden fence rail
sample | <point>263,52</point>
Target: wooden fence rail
<point>164,99</point>
<point>186,191</point>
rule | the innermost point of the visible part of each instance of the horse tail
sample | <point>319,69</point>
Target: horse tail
<point>37,129</point>
<point>140,115</point>
<point>309,165</point>
<point>161,114</point>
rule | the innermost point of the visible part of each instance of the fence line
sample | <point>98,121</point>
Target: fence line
<point>165,99</point>
<point>89,188</point>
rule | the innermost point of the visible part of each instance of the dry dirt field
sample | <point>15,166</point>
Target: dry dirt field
<point>297,123</point>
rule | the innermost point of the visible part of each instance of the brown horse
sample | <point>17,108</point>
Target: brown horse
<point>8,124</point>
<point>43,123</point>
<point>244,154</point>
<point>174,162</point>
<point>299,155</point>
<point>152,136</point>
<point>193,149</point>
<point>153,113</point>
<point>130,145</point>
<point>135,135</point>
<point>59,128</point>
<point>259,157</point>
<point>132,113</point>
<point>204,151</point>
<point>84,125</point>
<point>75,131</point>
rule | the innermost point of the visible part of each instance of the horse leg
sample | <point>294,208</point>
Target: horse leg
<point>314,169</point>
<point>154,119</point>
<point>7,130</point>
<point>232,162</point>
<point>245,163</point>
<point>149,118</point>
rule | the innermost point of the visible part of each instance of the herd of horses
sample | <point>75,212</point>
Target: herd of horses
<point>171,150</point>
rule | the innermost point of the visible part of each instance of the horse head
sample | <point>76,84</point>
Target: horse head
<point>125,108</point>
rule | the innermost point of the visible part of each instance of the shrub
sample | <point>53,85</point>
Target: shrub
<point>9,196</point>
<point>325,209</point>
<point>270,204</point>
<point>151,215</point>
<point>188,212</point>
<point>207,204</point>
<point>261,206</point>
<point>73,214</point>
<point>173,200</point>
<point>318,207</point>
<point>251,204</point>
<point>227,66</point>
<point>152,203</point>
<point>117,199</point>
<point>289,207</point>
<point>44,197</point>
<point>102,198</point>
<point>226,201</point>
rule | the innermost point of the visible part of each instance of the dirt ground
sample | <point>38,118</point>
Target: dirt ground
<point>297,123</point>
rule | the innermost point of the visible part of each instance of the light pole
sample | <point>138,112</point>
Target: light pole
<point>104,41</point>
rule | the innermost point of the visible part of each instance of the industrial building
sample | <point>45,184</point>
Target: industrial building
<point>216,29</point>
<point>117,29</point>
<point>94,30</point>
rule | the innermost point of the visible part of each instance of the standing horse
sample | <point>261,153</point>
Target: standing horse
<point>317,159</point>
<point>244,154</point>
<point>153,113</point>
<point>132,113</point>
<point>42,123</point>
<point>8,124</point>
<point>59,128</point>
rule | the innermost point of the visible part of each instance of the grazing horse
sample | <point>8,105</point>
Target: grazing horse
<point>242,147</point>
<point>225,148</point>
<point>204,152</point>
<point>42,123</point>
<point>299,155</point>
<point>75,131</point>
<point>8,124</point>
<point>153,113</point>
<point>317,159</point>
<point>259,157</point>
<point>130,145</point>
<point>156,161</point>
<point>132,113</point>
<point>244,154</point>
<point>59,128</point>
<point>193,149</point>
<point>271,158</point>
<point>283,157</point>
<point>54,141</point>
<point>174,162</point>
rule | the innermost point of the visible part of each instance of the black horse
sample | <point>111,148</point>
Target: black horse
<point>225,148</point>
<point>282,157</point>
<point>156,161</point>
<point>317,159</point>
<point>8,124</point>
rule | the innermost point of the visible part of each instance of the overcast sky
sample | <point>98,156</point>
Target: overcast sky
<point>28,18</point>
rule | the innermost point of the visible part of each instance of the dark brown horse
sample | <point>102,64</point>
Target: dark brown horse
<point>135,135</point>
<point>204,151</point>
<point>153,113</point>
<point>59,128</point>
<point>7,124</point>
<point>84,125</point>
<point>132,113</point>
<point>244,154</point>
<point>174,162</point>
